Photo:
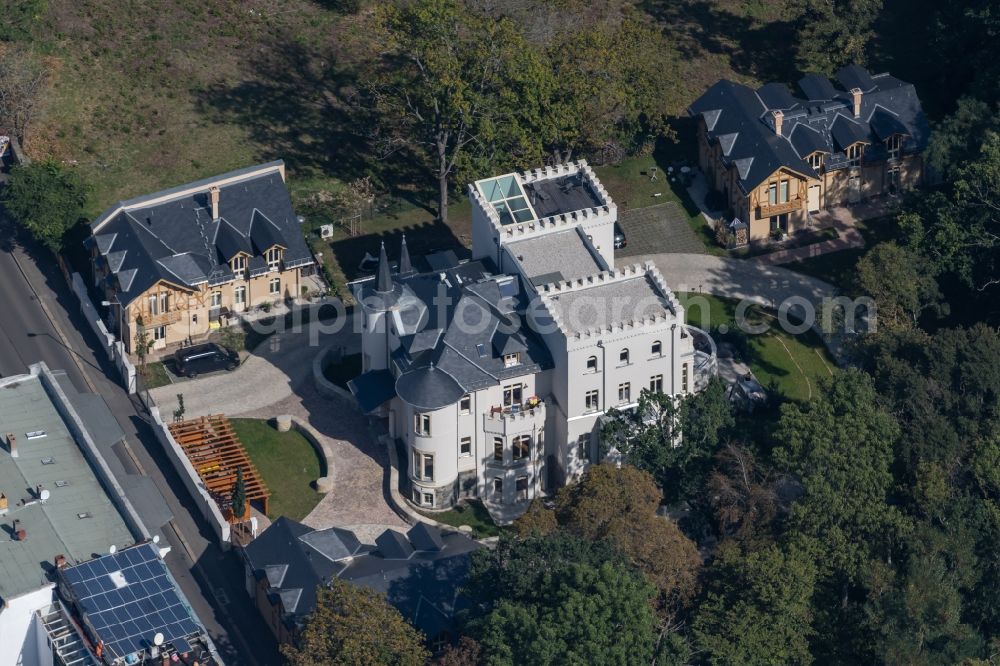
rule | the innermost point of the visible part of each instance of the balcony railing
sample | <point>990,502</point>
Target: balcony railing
<point>768,210</point>
<point>501,420</point>
<point>162,319</point>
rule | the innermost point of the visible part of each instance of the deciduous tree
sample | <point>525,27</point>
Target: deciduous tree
<point>355,626</point>
<point>46,199</point>
<point>22,85</point>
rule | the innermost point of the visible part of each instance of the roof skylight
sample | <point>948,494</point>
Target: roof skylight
<point>504,193</point>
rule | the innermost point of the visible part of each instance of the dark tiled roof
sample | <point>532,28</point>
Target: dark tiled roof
<point>455,331</point>
<point>170,235</point>
<point>741,120</point>
<point>419,573</point>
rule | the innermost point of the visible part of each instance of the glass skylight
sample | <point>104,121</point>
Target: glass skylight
<point>504,193</point>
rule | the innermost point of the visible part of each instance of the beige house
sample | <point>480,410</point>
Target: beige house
<point>777,158</point>
<point>188,260</point>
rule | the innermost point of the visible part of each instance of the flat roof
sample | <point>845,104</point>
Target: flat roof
<point>518,198</point>
<point>51,458</point>
<point>565,194</point>
<point>609,303</point>
<point>555,257</point>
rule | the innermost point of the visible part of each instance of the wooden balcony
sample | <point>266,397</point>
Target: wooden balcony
<point>162,319</point>
<point>769,210</point>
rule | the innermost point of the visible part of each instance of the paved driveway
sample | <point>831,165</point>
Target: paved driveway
<point>735,278</point>
<point>657,229</point>
<point>277,379</point>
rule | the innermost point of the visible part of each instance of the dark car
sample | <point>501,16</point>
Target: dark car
<point>620,240</point>
<point>191,361</point>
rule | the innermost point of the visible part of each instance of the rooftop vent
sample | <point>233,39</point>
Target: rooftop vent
<point>59,561</point>
<point>12,444</point>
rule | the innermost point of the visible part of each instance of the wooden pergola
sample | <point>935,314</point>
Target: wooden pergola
<point>215,452</point>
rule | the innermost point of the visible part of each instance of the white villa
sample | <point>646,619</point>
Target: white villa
<point>495,371</point>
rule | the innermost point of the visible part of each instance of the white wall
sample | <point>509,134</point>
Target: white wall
<point>19,640</point>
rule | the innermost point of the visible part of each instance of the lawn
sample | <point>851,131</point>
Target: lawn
<point>471,513</point>
<point>288,463</point>
<point>792,364</point>
<point>156,375</point>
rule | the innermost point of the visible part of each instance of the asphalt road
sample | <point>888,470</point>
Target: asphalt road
<point>40,321</point>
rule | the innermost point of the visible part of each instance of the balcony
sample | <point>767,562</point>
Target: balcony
<point>514,419</point>
<point>162,319</point>
<point>769,210</point>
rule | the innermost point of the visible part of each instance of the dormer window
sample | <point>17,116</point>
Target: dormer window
<point>816,161</point>
<point>510,360</point>
<point>893,145</point>
<point>854,153</point>
<point>273,258</point>
<point>239,264</point>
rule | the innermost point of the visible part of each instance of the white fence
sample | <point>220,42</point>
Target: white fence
<point>111,345</point>
<point>190,477</point>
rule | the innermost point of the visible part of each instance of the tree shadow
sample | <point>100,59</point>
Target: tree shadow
<point>421,239</point>
<point>765,51</point>
<point>308,112</point>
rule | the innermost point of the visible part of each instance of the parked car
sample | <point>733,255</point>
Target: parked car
<point>620,240</point>
<point>191,361</point>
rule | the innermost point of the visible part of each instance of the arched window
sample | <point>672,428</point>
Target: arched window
<point>623,357</point>
<point>592,364</point>
<point>657,348</point>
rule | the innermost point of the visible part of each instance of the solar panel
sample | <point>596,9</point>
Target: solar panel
<point>127,597</point>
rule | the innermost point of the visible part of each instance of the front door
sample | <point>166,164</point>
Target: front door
<point>854,189</point>
<point>813,198</point>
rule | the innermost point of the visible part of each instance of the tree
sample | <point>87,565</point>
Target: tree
<point>757,610</point>
<point>742,494</point>
<point>840,447</point>
<point>467,652</point>
<point>46,200</point>
<point>619,506</point>
<point>901,282</point>
<point>461,90</point>
<point>142,344</point>
<point>22,83</point>
<point>557,600</point>
<point>239,496</point>
<point>647,437</point>
<point>536,521</point>
<point>355,626</point>
<point>833,33</point>
<point>179,412</point>
<point>20,16</point>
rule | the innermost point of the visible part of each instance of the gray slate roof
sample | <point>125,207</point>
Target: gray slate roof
<point>170,235</point>
<point>419,573</point>
<point>455,324</point>
<point>822,119</point>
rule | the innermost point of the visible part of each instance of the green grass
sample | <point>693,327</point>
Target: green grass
<point>840,268</point>
<point>288,463</point>
<point>790,364</point>
<point>156,375</point>
<point>471,513</point>
<point>340,373</point>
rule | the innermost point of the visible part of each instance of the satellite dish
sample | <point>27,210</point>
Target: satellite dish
<point>44,495</point>
<point>158,639</point>
<point>156,538</point>
<point>113,549</point>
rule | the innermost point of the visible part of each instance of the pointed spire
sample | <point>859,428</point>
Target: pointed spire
<point>404,259</point>
<point>384,279</point>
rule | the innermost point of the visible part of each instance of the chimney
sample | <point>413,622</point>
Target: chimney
<point>12,444</point>
<point>856,95</point>
<point>778,116</point>
<point>214,196</point>
<point>3,504</point>
<point>59,561</point>
<point>19,532</point>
